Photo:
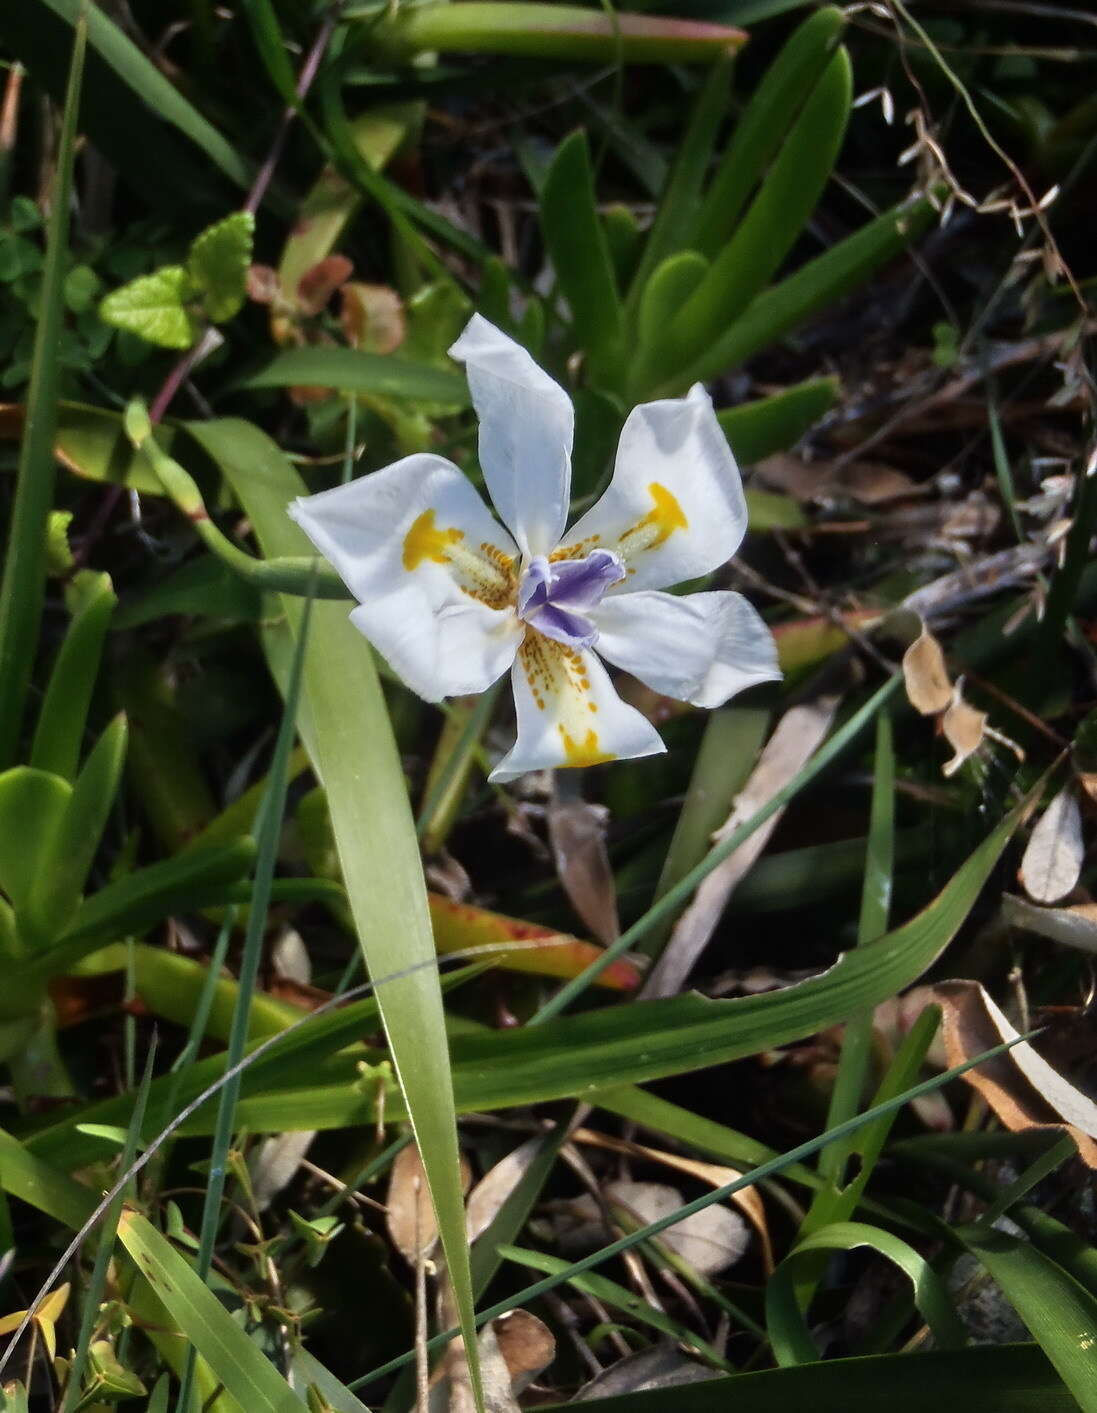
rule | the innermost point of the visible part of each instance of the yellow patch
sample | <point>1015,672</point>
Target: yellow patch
<point>657,526</point>
<point>584,752</point>
<point>425,541</point>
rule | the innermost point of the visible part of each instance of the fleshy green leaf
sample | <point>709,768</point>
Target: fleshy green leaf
<point>154,307</point>
<point>218,263</point>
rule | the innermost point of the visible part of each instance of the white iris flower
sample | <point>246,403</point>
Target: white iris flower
<point>452,600</point>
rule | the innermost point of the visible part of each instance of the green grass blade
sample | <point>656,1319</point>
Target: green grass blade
<point>853,1062</point>
<point>268,833</point>
<point>346,728</point>
<point>1061,1314</point>
<point>108,1232</point>
<point>1012,1378</point>
<point>788,1332</point>
<point>719,1194</point>
<point>23,589</point>
<point>672,900</point>
<point>247,1374</point>
<point>138,77</point>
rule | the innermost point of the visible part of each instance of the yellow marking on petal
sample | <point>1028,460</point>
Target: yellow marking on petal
<point>425,541</point>
<point>579,550</point>
<point>657,526</point>
<point>584,752</point>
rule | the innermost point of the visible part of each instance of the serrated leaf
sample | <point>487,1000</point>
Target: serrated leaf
<point>218,263</point>
<point>154,307</point>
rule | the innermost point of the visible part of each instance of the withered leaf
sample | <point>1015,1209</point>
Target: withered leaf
<point>1053,858</point>
<point>964,727</point>
<point>1020,1086</point>
<point>925,675</point>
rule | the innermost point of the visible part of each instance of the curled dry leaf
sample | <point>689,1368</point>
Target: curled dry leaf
<point>709,1240</point>
<point>964,729</point>
<point>1020,1086</point>
<point>1053,858</point>
<point>577,833</point>
<point>409,1211</point>
<point>748,1200</point>
<point>926,676</point>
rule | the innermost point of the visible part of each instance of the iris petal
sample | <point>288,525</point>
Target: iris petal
<point>701,648</point>
<point>675,507</point>
<point>434,573</point>
<point>526,429</point>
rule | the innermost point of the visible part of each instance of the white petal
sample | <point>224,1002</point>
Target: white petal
<point>675,507</point>
<point>702,648</point>
<point>434,573</point>
<point>569,713</point>
<point>526,427</point>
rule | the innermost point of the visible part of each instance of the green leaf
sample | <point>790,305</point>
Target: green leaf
<point>65,868</point>
<point>788,80</point>
<point>792,1344</point>
<point>247,1374</point>
<point>1061,1314</point>
<point>195,879</point>
<point>1012,1378</point>
<point>770,424</point>
<point>344,724</point>
<point>666,291</point>
<point>154,307</point>
<point>22,591</point>
<point>676,214</point>
<point>42,1185</point>
<point>91,443</point>
<point>32,807</point>
<point>347,370</point>
<point>814,287</point>
<point>767,232</point>
<point>63,716</point>
<point>217,264</point>
<point>577,246</point>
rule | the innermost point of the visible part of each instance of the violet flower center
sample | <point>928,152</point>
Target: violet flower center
<point>555,596</point>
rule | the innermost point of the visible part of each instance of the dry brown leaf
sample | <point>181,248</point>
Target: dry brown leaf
<point>749,1200</point>
<point>795,739</point>
<point>925,675</point>
<point>513,1351</point>
<point>1088,781</point>
<point>964,729</point>
<point>577,833</point>
<point>496,1185</point>
<point>372,317</point>
<point>409,1212</point>
<point>317,285</point>
<point>868,482</point>
<point>661,1365</point>
<point>1020,1086</point>
<point>526,1344</point>
<point>1053,859</point>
